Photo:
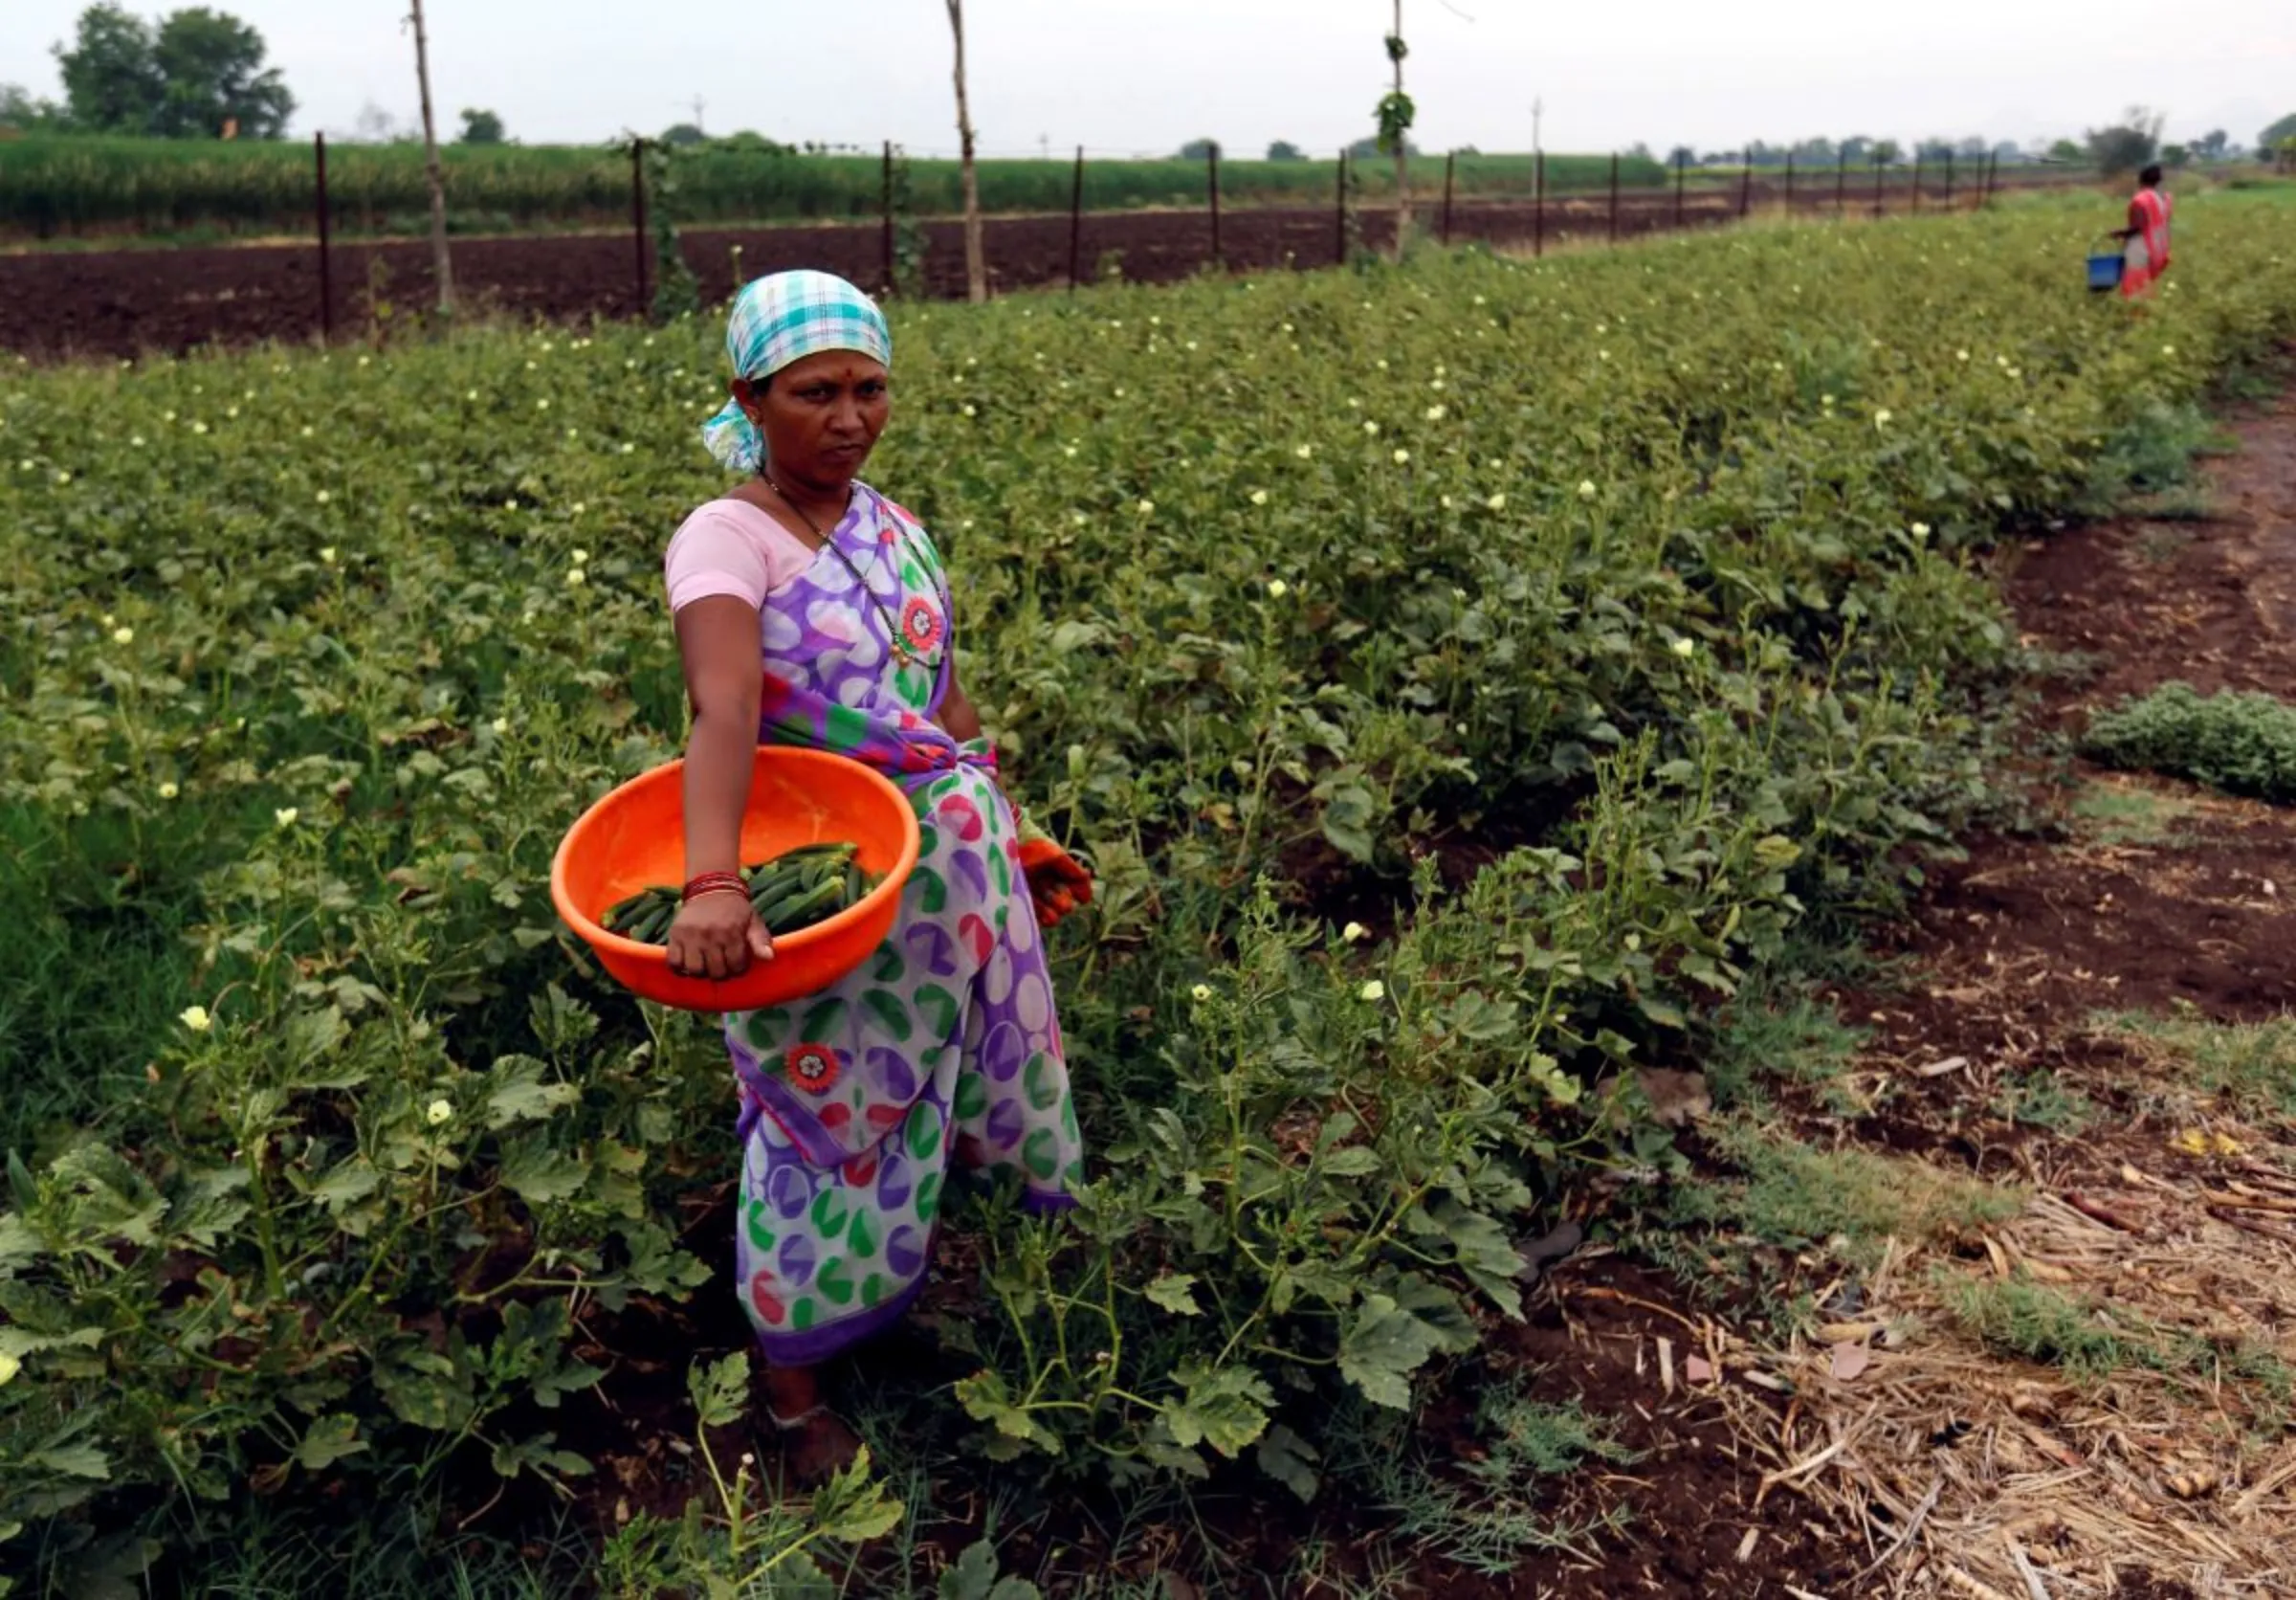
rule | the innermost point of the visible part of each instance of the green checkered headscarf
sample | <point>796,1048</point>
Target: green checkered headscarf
<point>784,319</point>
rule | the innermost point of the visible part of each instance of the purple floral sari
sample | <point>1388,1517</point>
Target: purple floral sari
<point>946,1042</point>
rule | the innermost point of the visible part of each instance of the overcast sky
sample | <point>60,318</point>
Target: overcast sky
<point>1140,76</point>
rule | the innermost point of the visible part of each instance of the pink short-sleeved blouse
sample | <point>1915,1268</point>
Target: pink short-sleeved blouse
<point>729,546</point>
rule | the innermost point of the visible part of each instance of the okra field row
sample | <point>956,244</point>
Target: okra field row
<point>1462,675</point>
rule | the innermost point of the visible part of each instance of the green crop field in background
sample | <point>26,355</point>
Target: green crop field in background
<point>57,186</point>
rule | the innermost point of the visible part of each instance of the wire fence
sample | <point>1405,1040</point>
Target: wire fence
<point>127,302</point>
<point>1600,205</point>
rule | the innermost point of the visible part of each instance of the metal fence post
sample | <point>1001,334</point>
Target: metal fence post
<point>1538,203</point>
<point>1339,236</point>
<point>1746,185</point>
<point>1211,170</point>
<point>1076,223</point>
<point>1682,171</point>
<point>1789,186</point>
<point>1451,179</point>
<point>1614,197</point>
<point>885,206</point>
<point>637,213</point>
<point>1877,202</point>
<point>1948,180</point>
<point>1917,160</point>
<point>1842,186</point>
<point>326,270</point>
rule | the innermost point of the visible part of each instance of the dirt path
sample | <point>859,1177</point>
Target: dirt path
<point>2091,1396</point>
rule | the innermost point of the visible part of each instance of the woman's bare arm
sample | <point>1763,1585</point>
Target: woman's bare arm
<point>717,935</point>
<point>718,638</point>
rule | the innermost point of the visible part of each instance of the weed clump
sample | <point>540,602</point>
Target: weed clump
<point>2242,743</point>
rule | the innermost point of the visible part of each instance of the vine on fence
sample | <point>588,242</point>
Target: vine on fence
<point>1359,252</point>
<point>676,292</point>
<point>909,240</point>
<point>1395,111</point>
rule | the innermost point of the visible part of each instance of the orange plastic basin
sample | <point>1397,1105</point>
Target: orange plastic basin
<point>636,838</point>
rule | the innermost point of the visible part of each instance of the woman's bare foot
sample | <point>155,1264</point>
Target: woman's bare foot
<point>815,1441</point>
<point>820,1448</point>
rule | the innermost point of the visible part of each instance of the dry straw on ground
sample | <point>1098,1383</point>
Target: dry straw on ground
<point>1970,1473</point>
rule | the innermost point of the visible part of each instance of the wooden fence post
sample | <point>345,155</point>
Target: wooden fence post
<point>1746,185</point>
<point>1842,186</point>
<point>1614,197</point>
<point>1948,180</point>
<point>326,270</point>
<point>1878,203</point>
<point>1339,248</point>
<point>1681,170</point>
<point>1917,159</point>
<point>1450,181</point>
<point>1789,186</point>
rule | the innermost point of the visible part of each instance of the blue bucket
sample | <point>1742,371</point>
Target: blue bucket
<point>2105,273</point>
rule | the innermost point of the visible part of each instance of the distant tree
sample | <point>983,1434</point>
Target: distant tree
<point>1198,149</point>
<point>1283,149</point>
<point>2065,150</point>
<point>2128,145</point>
<point>1857,149</point>
<point>1934,149</point>
<point>2267,143</point>
<point>1639,152</point>
<point>197,74</point>
<point>751,140</point>
<point>1888,151</point>
<point>373,125</point>
<point>1682,155</point>
<point>112,82</point>
<point>1818,153</point>
<point>481,127</point>
<point>2176,155</point>
<point>684,133</point>
<point>213,66</point>
<point>19,110</point>
<point>1364,149</point>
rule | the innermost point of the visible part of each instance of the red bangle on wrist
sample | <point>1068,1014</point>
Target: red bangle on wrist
<point>713,882</point>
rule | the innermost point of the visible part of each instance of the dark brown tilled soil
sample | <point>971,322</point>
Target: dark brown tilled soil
<point>112,304</point>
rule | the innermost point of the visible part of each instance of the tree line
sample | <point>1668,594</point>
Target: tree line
<point>197,73</point>
<point>2125,145</point>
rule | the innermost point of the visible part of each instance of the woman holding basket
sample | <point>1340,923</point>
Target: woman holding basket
<point>813,610</point>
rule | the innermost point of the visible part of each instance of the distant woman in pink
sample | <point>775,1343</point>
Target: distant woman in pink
<point>2145,241</point>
